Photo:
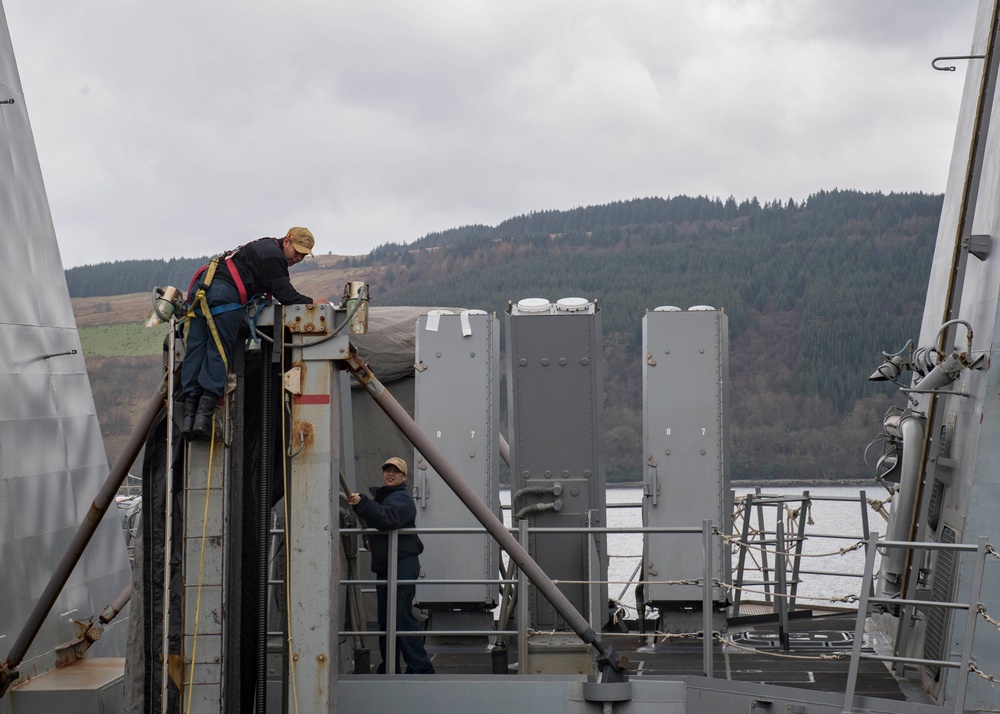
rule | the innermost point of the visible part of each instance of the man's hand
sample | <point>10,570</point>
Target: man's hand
<point>354,499</point>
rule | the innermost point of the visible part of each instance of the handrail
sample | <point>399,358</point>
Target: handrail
<point>980,549</point>
<point>391,582</point>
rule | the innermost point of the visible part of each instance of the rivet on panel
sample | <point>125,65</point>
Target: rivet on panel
<point>562,361</point>
<point>545,361</point>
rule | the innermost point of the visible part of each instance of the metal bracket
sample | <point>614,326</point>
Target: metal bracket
<point>978,245</point>
<point>951,68</point>
<point>292,380</point>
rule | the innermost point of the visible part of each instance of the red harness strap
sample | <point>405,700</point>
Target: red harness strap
<point>240,287</point>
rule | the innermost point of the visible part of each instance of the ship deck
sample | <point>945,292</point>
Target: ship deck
<point>752,653</point>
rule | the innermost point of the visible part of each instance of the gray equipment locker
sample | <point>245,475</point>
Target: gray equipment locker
<point>685,378</point>
<point>456,405</point>
<point>556,399</point>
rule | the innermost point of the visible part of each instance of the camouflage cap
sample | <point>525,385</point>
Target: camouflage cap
<point>302,239</point>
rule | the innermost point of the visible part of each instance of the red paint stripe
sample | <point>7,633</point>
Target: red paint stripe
<point>311,399</point>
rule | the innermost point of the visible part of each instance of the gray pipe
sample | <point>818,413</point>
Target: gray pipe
<point>481,511</point>
<point>911,429</point>
<point>504,450</point>
<point>104,499</point>
<point>112,610</point>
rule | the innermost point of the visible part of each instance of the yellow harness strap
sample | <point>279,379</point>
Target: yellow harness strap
<point>201,300</point>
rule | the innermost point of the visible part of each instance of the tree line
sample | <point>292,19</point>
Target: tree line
<point>815,290</point>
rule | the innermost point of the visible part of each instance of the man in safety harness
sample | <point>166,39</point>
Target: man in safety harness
<point>218,296</point>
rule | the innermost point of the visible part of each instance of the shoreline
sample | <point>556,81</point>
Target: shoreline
<point>796,483</point>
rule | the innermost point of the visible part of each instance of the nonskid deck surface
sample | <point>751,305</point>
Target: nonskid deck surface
<point>801,667</point>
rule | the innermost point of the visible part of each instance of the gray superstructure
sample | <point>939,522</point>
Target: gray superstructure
<point>52,458</point>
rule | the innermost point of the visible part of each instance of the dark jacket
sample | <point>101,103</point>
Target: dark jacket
<point>263,269</point>
<point>389,508</point>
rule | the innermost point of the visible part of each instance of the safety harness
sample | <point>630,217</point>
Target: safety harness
<point>200,299</point>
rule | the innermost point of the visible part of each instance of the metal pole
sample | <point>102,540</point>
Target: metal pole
<point>165,645</point>
<point>504,450</point>
<point>104,499</point>
<point>859,625</point>
<point>112,610</point>
<point>391,598</point>
<point>523,614</point>
<point>706,600</point>
<point>577,622</point>
<point>970,624</point>
<point>781,588</point>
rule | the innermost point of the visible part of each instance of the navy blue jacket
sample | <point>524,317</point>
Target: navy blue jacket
<point>389,508</point>
<point>264,269</point>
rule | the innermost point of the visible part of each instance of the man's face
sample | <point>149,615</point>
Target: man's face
<point>392,476</point>
<point>292,256</point>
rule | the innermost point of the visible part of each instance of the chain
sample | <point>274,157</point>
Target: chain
<point>981,674</point>
<point>625,582</point>
<point>735,540</point>
<point>981,609</point>
<point>845,598</point>
<point>824,657</point>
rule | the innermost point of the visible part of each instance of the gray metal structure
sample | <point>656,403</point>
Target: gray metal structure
<point>949,437</point>
<point>52,458</point>
<point>313,604</point>
<point>556,410</point>
<point>685,380</point>
<point>51,463</point>
<point>457,405</point>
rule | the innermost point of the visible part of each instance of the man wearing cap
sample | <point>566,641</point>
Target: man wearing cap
<point>390,507</point>
<point>253,269</point>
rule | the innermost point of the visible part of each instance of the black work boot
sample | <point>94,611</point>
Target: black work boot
<point>190,407</point>
<point>202,429</point>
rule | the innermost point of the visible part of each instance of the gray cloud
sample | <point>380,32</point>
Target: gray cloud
<point>190,127</point>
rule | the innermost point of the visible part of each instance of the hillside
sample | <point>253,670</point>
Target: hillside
<point>814,292</point>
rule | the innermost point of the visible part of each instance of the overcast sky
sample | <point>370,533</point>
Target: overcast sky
<point>184,128</point>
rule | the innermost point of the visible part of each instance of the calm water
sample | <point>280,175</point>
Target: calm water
<point>830,517</point>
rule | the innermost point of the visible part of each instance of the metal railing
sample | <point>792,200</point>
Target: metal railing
<point>523,631</point>
<point>981,549</point>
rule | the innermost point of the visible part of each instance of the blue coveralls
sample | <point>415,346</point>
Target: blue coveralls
<point>392,507</point>
<point>203,371</point>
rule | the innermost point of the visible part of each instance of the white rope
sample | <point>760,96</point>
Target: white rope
<point>846,598</point>
<point>738,542</point>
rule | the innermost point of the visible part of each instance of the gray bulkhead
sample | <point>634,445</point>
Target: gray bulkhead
<point>686,476</point>
<point>52,458</point>
<point>457,405</point>
<point>957,499</point>
<point>556,402</point>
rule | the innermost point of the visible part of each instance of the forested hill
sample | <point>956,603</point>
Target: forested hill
<point>814,292</point>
